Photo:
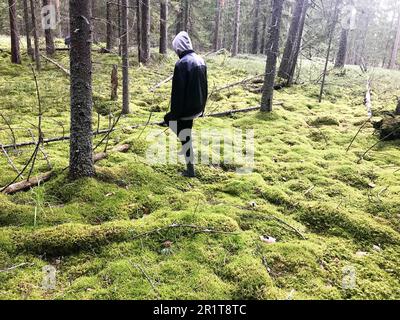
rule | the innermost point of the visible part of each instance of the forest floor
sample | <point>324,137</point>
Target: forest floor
<point>336,220</point>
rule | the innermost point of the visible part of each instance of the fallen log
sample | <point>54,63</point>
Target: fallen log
<point>35,181</point>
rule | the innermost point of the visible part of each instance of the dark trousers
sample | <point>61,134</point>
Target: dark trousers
<point>183,130</point>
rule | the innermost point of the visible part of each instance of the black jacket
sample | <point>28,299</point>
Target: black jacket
<point>189,87</point>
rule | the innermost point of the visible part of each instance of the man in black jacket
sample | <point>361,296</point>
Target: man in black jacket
<point>189,96</point>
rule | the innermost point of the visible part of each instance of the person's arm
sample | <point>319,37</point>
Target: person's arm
<point>178,94</point>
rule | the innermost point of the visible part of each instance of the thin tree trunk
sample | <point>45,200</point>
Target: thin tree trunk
<point>50,49</point>
<point>114,83</point>
<point>285,67</point>
<point>28,29</point>
<point>125,57</point>
<point>217,26</point>
<point>331,33</point>
<point>109,40</point>
<point>272,56</point>
<point>119,28</point>
<point>139,29</point>
<point>297,47</point>
<point>257,5</point>
<point>15,51</point>
<point>342,53</point>
<point>145,57</point>
<point>397,111</point>
<point>236,30</point>
<point>81,154</point>
<point>186,15</point>
<point>35,35</point>
<point>163,26</point>
<point>393,59</point>
<point>265,31</point>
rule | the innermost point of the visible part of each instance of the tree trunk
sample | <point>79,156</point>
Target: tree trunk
<point>393,59</point>
<point>114,83</point>
<point>297,47</point>
<point>257,5</point>
<point>186,15</point>
<point>119,27</point>
<point>163,26</point>
<point>50,49</point>
<point>397,111</point>
<point>145,56</point>
<point>236,30</point>
<point>139,28</point>
<point>284,69</point>
<point>342,53</point>
<point>15,52</point>
<point>218,15</point>
<point>265,31</point>
<point>28,29</point>
<point>330,35</point>
<point>125,57</point>
<point>81,154</point>
<point>272,56</point>
<point>109,40</point>
<point>35,35</point>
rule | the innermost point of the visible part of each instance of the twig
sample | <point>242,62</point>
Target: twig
<point>11,162</point>
<point>11,129</point>
<point>147,277</point>
<point>358,132</point>
<point>375,144</point>
<point>67,72</point>
<point>17,266</point>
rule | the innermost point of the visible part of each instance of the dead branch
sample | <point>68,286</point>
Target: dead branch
<point>14,140</point>
<point>11,163</point>
<point>66,71</point>
<point>358,132</point>
<point>35,181</point>
<point>375,144</point>
<point>17,266</point>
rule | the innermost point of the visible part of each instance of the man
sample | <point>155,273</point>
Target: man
<point>188,97</point>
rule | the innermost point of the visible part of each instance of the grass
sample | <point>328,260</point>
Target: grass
<point>98,232</point>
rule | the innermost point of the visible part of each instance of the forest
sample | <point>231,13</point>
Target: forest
<point>290,187</point>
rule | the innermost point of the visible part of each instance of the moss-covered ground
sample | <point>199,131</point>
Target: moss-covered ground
<point>336,221</point>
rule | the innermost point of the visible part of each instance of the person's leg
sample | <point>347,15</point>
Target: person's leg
<point>185,136</point>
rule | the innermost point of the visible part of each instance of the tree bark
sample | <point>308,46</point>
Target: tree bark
<point>125,57</point>
<point>393,59</point>
<point>163,26</point>
<point>145,56</point>
<point>50,49</point>
<point>81,144</point>
<point>272,56</point>
<point>284,69</point>
<point>15,50</point>
<point>265,31</point>
<point>35,36</point>
<point>297,47</point>
<point>217,26</point>
<point>186,15</point>
<point>139,29</point>
<point>28,29</point>
<point>236,30</point>
<point>114,83</point>
<point>397,111</point>
<point>109,40</point>
<point>257,5</point>
<point>330,35</point>
<point>342,53</point>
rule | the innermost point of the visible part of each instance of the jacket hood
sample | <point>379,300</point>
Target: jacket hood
<point>182,43</point>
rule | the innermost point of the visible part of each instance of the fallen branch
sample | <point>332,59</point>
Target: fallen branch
<point>35,181</point>
<point>11,163</point>
<point>358,132</point>
<point>17,266</point>
<point>66,71</point>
